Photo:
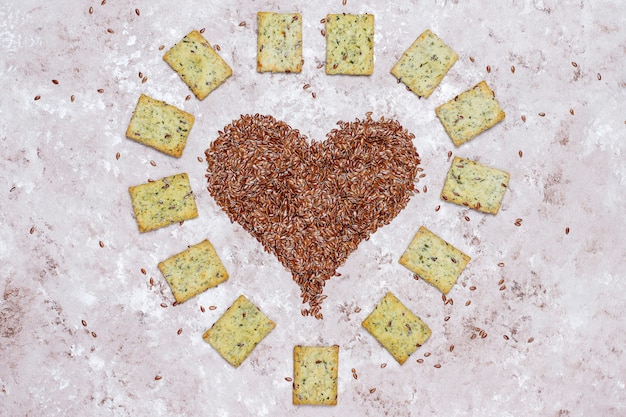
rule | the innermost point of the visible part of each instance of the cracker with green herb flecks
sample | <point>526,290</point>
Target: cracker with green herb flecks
<point>193,271</point>
<point>160,203</point>
<point>238,331</point>
<point>350,44</point>
<point>474,185</point>
<point>279,42</point>
<point>160,125</point>
<point>434,260</point>
<point>197,64</point>
<point>470,113</point>
<point>396,327</point>
<point>424,64</point>
<point>315,372</point>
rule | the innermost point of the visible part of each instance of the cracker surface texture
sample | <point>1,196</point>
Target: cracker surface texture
<point>193,271</point>
<point>238,331</point>
<point>197,64</point>
<point>396,328</point>
<point>434,260</point>
<point>160,125</point>
<point>350,44</point>
<point>163,202</point>
<point>470,113</point>
<point>315,373</point>
<point>279,42</point>
<point>424,64</point>
<point>471,184</point>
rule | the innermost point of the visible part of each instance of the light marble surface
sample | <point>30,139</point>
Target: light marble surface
<point>64,192</point>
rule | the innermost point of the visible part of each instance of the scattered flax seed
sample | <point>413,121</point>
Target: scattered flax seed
<point>416,277</point>
<point>500,264</point>
<point>446,318</point>
<point>288,379</point>
<point>163,305</point>
<point>542,114</point>
<point>567,230</point>
<point>344,2</point>
<point>56,82</point>
<point>501,281</point>
<point>505,337</point>
<point>437,365</point>
<point>473,336</point>
<point>200,159</point>
<point>140,74</point>
<point>425,189</point>
<point>488,68</point>
<point>468,302</point>
<point>571,111</point>
<point>438,208</point>
<point>383,365</point>
<point>575,65</point>
<point>242,24</point>
<point>94,335</point>
<point>467,219</point>
<point>520,153</point>
<point>117,155</point>
<point>153,163</point>
<point>523,118</point>
<point>110,30</point>
<point>32,230</point>
<point>323,20</point>
<point>37,97</point>
<point>531,339</point>
<point>161,47</point>
<point>503,287</point>
<point>313,94</point>
<point>144,79</point>
<point>518,222</point>
<point>202,309</point>
<point>357,310</point>
<point>158,377</point>
<point>599,76</point>
<point>202,30</point>
<point>451,348</point>
<point>450,301</point>
<point>483,334</point>
<point>449,155</point>
<point>372,390</point>
<point>152,281</point>
<point>188,98</point>
<point>143,271</point>
<point>137,12</point>
<point>473,288</point>
<point>91,10</point>
<point>323,32</point>
<point>100,90</point>
<point>101,243</point>
<point>320,65</point>
<point>444,298</point>
<point>427,354</point>
<point>103,2</point>
<point>420,360</point>
<point>179,331</point>
<point>305,86</point>
<point>212,307</point>
<point>72,98</point>
<point>84,323</point>
<point>471,58</point>
<point>217,47</point>
<point>513,69</point>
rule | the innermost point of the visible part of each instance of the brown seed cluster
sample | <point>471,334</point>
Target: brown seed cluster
<point>311,205</point>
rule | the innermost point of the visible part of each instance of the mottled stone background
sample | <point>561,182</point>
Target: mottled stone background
<point>82,331</point>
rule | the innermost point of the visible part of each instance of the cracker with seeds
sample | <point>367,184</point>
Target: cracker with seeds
<point>279,42</point>
<point>160,125</point>
<point>238,331</point>
<point>350,44</point>
<point>315,372</point>
<point>470,113</point>
<point>474,185</point>
<point>193,271</point>
<point>197,64</point>
<point>424,64</point>
<point>396,328</point>
<point>161,203</point>
<point>434,260</point>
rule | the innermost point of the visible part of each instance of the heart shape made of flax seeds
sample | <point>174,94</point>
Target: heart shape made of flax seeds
<point>311,204</point>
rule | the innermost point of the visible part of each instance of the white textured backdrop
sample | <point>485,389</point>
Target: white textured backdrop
<point>82,331</point>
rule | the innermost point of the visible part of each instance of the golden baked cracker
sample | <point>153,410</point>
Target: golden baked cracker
<point>470,113</point>
<point>396,328</point>
<point>434,260</point>
<point>238,331</point>
<point>279,42</point>
<point>193,271</point>
<point>197,64</point>
<point>160,125</point>
<point>424,64</point>
<point>350,44</point>
<point>160,203</point>
<point>315,374</point>
<point>471,184</point>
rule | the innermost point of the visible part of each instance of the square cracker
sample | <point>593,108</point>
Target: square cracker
<point>238,331</point>
<point>193,271</point>
<point>160,203</point>
<point>350,44</point>
<point>424,64</point>
<point>197,63</point>
<point>279,42</point>
<point>474,185</point>
<point>470,113</point>
<point>315,372</point>
<point>160,125</point>
<point>434,260</point>
<point>396,327</point>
